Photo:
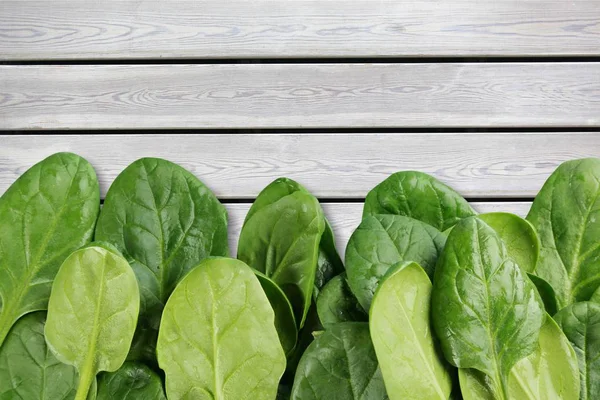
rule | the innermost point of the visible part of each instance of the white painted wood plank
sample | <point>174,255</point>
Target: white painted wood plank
<point>41,29</point>
<point>345,217</point>
<point>486,165</point>
<point>299,95</point>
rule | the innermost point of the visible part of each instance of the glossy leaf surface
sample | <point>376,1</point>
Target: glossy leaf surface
<point>550,372</point>
<point>581,324</point>
<point>566,215</point>
<point>92,312</point>
<point>132,381</point>
<point>47,213</point>
<point>217,337</point>
<point>419,196</point>
<point>399,322</point>
<point>336,303</point>
<point>486,312</point>
<point>28,369</point>
<point>340,365</point>
<point>281,238</point>
<point>164,221</point>
<point>382,241</point>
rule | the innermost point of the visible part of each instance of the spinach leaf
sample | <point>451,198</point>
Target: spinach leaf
<point>329,263</point>
<point>47,213</point>
<point>519,237</point>
<point>336,303</point>
<point>596,296</point>
<point>566,214</point>
<point>28,369</point>
<point>419,196</point>
<point>92,312</point>
<point>164,221</point>
<point>546,293</point>
<point>401,334</point>
<point>381,241</point>
<point>217,337</point>
<point>340,364</point>
<point>581,324</point>
<point>285,323</point>
<point>281,237</point>
<point>130,382</point>
<point>486,312</point>
<point>550,372</point>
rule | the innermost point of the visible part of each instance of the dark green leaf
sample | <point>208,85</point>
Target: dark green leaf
<point>566,215</point>
<point>28,369</point>
<point>329,263</point>
<point>581,324</point>
<point>419,196</point>
<point>340,364</point>
<point>382,241</point>
<point>486,312</point>
<point>336,303</point>
<point>47,213</point>
<point>164,221</point>
<point>546,293</point>
<point>132,381</point>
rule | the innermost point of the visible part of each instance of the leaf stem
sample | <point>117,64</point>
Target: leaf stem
<point>85,382</point>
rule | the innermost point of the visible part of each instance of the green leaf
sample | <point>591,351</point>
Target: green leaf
<point>581,324</point>
<point>281,237</point>
<point>340,364</point>
<point>401,334</point>
<point>28,369</point>
<point>217,337</point>
<point>596,296</point>
<point>92,312</point>
<point>329,263</point>
<point>336,303</point>
<point>519,237</point>
<point>486,312</point>
<point>566,215</point>
<point>546,293</point>
<point>285,323</point>
<point>47,213</point>
<point>419,196</point>
<point>550,372</point>
<point>382,241</point>
<point>130,382</point>
<point>164,221</point>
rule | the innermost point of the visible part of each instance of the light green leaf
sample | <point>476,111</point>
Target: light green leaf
<point>47,213</point>
<point>566,215</point>
<point>217,336</point>
<point>92,312</point>
<point>419,196</point>
<point>401,334</point>
<point>550,372</point>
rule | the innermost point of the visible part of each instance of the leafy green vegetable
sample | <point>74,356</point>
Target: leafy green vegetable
<point>329,263</point>
<point>285,323</point>
<point>28,370</point>
<point>340,364</point>
<point>164,221</point>
<point>550,372</point>
<point>382,241</point>
<point>336,303</point>
<point>486,312</point>
<point>217,336</point>
<point>546,293</point>
<point>581,324</point>
<point>47,213</point>
<point>566,214</point>
<point>596,296</point>
<point>281,237</point>
<point>419,196</point>
<point>132,381</point>
<point>92,312</point>
<point>401,334</point>
<point>519,237</point>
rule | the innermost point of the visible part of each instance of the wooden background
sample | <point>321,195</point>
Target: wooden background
<point>488,97</point>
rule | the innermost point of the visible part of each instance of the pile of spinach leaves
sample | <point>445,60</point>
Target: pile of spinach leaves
<point>140,300</point>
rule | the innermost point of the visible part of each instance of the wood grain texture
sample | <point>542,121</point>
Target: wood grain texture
<point>299,95</point>
<point>345,217</point>
<point>41,29</point>
<point>486,165</point>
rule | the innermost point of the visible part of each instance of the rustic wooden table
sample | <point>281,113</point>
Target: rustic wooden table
<point>487,96</point>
